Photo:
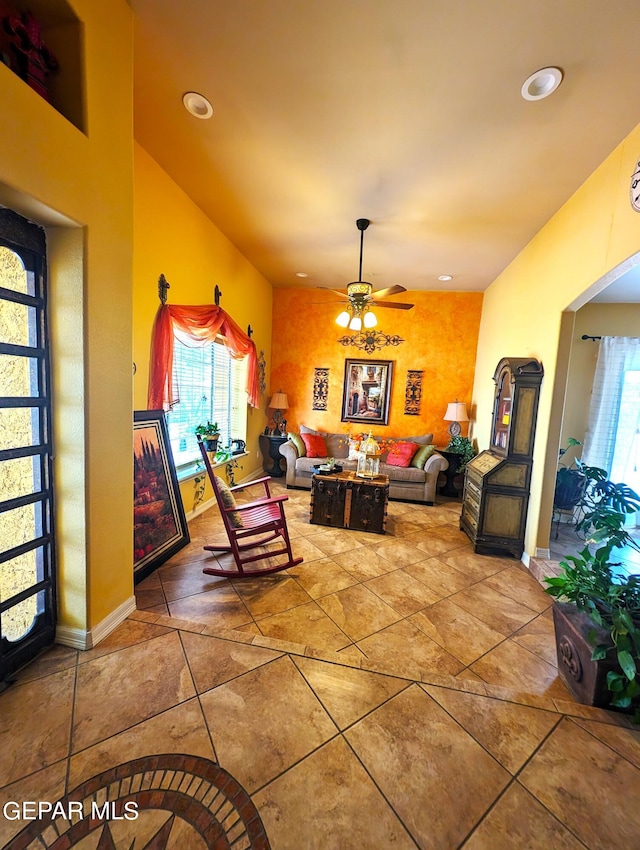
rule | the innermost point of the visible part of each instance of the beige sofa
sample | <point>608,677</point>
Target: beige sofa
<point>410,483</point>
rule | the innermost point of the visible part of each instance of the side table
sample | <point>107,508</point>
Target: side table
<point>270,448</point>
<point>449,488</point>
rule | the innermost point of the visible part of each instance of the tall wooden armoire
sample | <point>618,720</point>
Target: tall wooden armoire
<point>497,481</point>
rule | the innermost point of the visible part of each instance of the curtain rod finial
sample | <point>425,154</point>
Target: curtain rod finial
<point>163,286</point>
<point>217,295</point>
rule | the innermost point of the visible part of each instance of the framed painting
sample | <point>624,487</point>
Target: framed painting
<point>367,391</point>
<point>159,523</point>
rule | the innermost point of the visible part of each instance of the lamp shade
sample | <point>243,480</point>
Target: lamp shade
<point>279,401</point>
<point>456,412</point>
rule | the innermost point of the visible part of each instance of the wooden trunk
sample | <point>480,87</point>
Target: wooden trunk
<point>346,501</point>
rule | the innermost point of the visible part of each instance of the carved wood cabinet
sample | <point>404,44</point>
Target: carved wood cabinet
<point>497,481</point>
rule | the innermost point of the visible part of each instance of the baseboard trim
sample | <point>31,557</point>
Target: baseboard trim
<point>202,507</point>
<point>83,639</point>
<point>526,559</point>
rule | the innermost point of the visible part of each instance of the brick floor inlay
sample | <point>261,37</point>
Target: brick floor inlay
<point>158,801</point>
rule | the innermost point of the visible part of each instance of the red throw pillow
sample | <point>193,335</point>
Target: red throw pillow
<point>315,445</point>
<point>400,454</point>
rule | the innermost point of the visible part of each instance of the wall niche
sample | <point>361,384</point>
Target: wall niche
<point>41,42</point>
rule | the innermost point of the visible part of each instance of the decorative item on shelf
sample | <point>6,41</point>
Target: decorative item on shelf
<point>238,447</point>
<point>320,388</point>
<point>357,313</point>
<point>30,58</point>
<point>456,413</point>
<point>210,433</point>
<point>368,458</point>
<point>278,403</point>
<point>413,392</point>
<point>370,341</point>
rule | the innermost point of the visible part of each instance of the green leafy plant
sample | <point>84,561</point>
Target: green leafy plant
<point>207,429</point>
<point>464,447</point>
<point>593,582</point>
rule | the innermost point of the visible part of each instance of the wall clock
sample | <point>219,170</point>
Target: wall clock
<point>634,192</point>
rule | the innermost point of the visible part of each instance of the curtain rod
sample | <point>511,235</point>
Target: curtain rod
<point>594,338</point>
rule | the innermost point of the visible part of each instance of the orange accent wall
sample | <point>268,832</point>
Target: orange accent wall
<point>440,337</point>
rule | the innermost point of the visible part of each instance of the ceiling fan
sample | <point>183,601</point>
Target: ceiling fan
<point>361,295</point>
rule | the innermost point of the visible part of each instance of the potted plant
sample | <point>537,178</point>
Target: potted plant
<point>570,480</point>
<point>596,610</point>
<point>210,433</point>
<point>464,447</point>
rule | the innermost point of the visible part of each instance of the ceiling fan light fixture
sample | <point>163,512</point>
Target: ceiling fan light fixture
<point>370,320</point>
<point>343,319</point>
<point>541,84</point>
<point>355,324</point>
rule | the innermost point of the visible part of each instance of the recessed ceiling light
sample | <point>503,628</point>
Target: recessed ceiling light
<point>197,105</point>
<point>301,274</point>
<point>445,277</point>
<point>541,84</point>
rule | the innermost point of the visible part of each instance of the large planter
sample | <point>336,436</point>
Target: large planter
<point>585,679</point>
<point>570,485</point>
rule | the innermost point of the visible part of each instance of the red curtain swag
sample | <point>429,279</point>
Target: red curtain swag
<point>195,326</point>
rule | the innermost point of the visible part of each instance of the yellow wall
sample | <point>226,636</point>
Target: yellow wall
<point>440,335</point>
<point>81,187</point>
<point>173,237</point>
<point>593,320</point>
<point>592,233</point>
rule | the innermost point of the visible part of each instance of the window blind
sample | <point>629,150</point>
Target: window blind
<point>212,388</point>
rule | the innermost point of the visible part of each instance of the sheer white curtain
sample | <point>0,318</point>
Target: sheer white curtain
<point>612,437</point>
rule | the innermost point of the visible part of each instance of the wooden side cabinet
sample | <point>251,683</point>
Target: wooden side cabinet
<point>498,480</point>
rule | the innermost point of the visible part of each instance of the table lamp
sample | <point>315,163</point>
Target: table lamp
<point>456,413</point>
<point>278,403</point>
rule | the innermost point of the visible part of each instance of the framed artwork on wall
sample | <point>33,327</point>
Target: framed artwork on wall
<point>159,523</point>
<point>367,391</point>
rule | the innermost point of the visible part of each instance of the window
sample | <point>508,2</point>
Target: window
<point>212,387</point>
<point>27,551</point>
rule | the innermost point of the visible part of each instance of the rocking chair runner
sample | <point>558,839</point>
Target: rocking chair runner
<point>246,522</point>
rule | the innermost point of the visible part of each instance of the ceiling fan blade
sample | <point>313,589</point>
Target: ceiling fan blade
<point>341,293</point>
<point>390,290</point>
<point>393,304</point>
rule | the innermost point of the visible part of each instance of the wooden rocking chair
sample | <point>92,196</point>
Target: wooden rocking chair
<point>246,522</point>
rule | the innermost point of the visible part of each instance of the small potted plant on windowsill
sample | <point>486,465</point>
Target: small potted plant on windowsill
<point>596,611</point>
<point>210,433</point>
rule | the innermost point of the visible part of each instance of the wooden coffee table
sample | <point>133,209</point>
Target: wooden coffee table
<point>342,500</point>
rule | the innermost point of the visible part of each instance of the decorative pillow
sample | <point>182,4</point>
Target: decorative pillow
<point>315,445</point>
<point>305,430</point>
<point>227,499</point>
<point>400,454</point>
<point>422,456</point>
<point>354,445</point>
<point>298,442</point>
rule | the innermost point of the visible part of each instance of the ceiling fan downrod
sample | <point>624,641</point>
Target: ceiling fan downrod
<point>361,224</point>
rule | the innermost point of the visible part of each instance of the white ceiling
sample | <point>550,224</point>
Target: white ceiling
<point>406,112</point>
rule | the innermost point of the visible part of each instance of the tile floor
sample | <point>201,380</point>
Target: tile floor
<point>392,691</point>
